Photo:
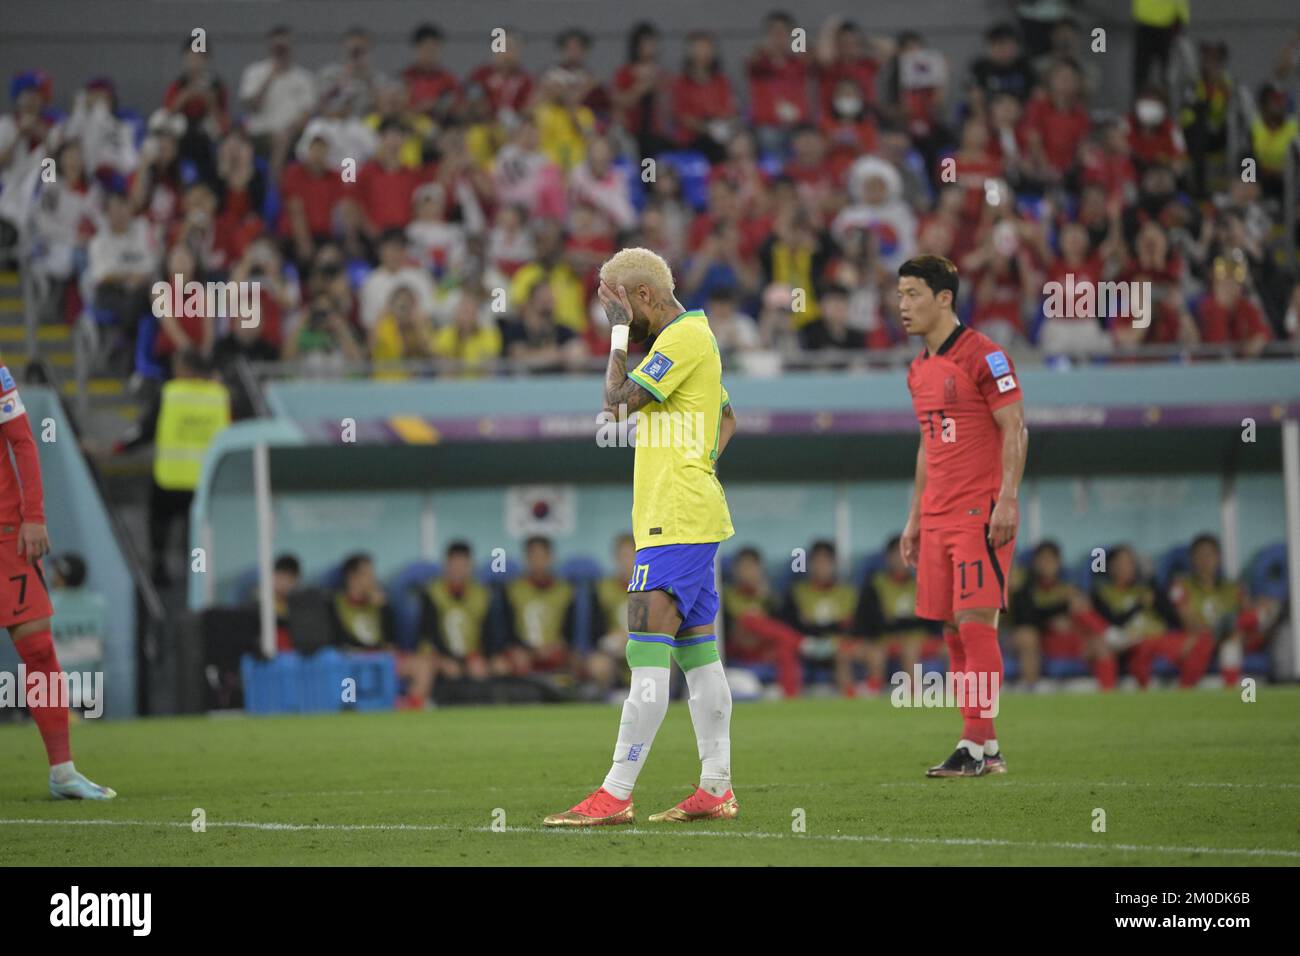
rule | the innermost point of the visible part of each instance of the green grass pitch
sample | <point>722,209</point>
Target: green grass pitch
<point>1194,777</point>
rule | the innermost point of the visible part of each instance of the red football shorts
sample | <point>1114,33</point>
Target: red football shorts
<point>23,596</point>
<point>957,570</point>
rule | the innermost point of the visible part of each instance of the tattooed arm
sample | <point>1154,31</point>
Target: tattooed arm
<point>619,389</point>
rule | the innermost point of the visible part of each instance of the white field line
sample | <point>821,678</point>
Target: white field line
<point>996,782</point>
<point>673,833</point>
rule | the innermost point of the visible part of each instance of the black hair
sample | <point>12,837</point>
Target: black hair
<point>541,539</point>
<point>1048,545</point>
<point>1001,31</point>
<point>748,551</point>
<point>935,271</point>
<point>777,16</point>
<point>458,547</point>
<point>1205,538</point>
<point>639,32</point>
<point>353,563</point>
<point>288,563</point>
<point>425,31</point>
<point>822,545</point>
<point>715,65</point>
<point>392,235</point>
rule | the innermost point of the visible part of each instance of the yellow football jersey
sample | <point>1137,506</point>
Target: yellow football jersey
<point>676,497</point>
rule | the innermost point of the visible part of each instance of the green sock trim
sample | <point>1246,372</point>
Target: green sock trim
<point>648,654</point>
<point>696,655</point>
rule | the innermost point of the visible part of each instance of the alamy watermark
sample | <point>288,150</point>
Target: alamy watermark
<point>939,689</point>
<point>242,300</point>
<point>657,429</point>
<point>1085,299</point>
<point>82,691</point>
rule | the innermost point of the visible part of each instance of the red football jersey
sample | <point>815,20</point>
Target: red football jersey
<point>955,392</point>
<point>21,498</point>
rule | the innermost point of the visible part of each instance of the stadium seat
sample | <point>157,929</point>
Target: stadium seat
<point>631,173</point>
<point>358,270</point>
<point>693,170</point>
<point>404,590</point>
<point>271,198</point>
<point>1266,576</point>
<point>583,572</point>
<point>865,567</point>
<point>244,587</point>
<point>145,339</point>
<point>331,580</point>
<point>1175,561</point>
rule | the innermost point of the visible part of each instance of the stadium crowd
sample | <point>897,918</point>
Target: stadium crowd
<point>398,211</point>
<point>853,632</point>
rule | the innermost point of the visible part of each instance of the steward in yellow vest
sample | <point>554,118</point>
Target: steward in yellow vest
<point>192,411</point>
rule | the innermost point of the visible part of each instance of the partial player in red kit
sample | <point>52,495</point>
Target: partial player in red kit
<point>961,527</point>
<point>24,600</point>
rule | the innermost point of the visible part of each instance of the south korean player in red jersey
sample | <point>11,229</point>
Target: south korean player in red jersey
<point>25,609</point>
<point>961,526</point>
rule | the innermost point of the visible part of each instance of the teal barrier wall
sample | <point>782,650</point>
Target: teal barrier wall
<point>404,502</point>
<point>78,522</point>
<point>1225,383</point>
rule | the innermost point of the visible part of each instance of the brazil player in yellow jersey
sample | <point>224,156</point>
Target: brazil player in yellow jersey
<point>679,515</point>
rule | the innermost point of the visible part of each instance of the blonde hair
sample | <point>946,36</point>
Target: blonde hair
<point>636,266</point>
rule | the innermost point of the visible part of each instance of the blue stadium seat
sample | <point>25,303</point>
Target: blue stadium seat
<point>693,169</point>
<point>631,173</point>
<point>1175,561</point>
<point>145,338</point>
<point>404,590</point>
<point>332,580</point>
<point>583,572</point>
<point>1266,576</point>
<point>358,270</point>
<point>244,586</point>
<point>1063,667</point>
<point>271,196</point>
<point>865,567</point>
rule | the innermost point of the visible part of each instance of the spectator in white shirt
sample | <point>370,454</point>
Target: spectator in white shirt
<point>394,270</point>
<point>122,259</point>
<point>279,96</point>
<point>107,141</point>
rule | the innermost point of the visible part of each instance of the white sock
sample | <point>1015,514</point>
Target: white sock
<point>976,750</point>
<point>990,748</point>
<point>643,712</point>
<point>710,704</point>
<point>62,772</point>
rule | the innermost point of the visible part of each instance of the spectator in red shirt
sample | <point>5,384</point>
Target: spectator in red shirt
<point>430,89</point>
<point>849,126</point>
<point>844,52</point>
<point>976,163</point>
<point>310,192</point>
<point>1154,139</point>
<point>1154,263</point>
<point>184,322</point>
<point>1228,315</point>
<point>703,105</point>
<point>1055,125</point>
<point>199,95</point>
<point>778,83</point>
<point>1110,164</point>
<point>810,171</point>
<point>638,93</point>
<point>503,78</point>
<point>741,169</point>
<point>382,198</point>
